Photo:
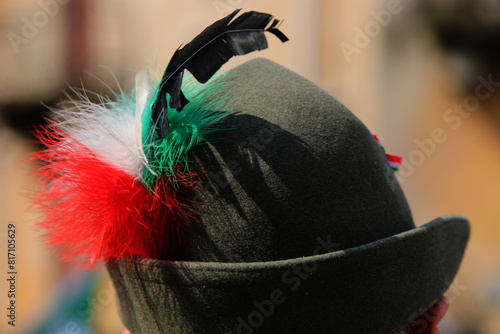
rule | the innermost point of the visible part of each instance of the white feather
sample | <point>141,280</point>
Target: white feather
<point>143,90</point>
<point>111,129</point>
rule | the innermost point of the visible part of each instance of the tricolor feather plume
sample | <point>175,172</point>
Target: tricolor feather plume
<point>115,176</point>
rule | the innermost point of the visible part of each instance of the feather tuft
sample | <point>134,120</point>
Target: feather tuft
<point>115,177</point>
<point>94,210</point>
<point>104,195</point>
<point>190,127</point>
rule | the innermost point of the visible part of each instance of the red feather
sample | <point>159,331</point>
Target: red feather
<point>93,210</point>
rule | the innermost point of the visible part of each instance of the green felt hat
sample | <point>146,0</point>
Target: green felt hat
<point>304,228</point>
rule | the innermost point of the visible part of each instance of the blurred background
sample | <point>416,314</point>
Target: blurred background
<point>423,75</point>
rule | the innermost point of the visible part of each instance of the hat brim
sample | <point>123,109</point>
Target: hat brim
<point>372,288</point>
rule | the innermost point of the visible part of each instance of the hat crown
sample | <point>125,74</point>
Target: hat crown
<point>294,174</point>
<point>292,166</point>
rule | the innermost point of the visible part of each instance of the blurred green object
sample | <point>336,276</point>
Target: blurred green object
<point>74,309</point>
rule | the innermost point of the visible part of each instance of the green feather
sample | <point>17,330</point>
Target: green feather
<point>188,128</point>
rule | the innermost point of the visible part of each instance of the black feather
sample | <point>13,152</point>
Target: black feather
<point>206,54</point>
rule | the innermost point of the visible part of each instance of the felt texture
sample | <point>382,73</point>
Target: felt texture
<point>291,164</point>
<point>373,288</point>
<point>304,227</point>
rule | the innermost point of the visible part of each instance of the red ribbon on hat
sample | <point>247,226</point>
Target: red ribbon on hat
<point>395,161</point>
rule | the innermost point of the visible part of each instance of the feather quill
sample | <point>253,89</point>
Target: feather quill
<point>206,54</point>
